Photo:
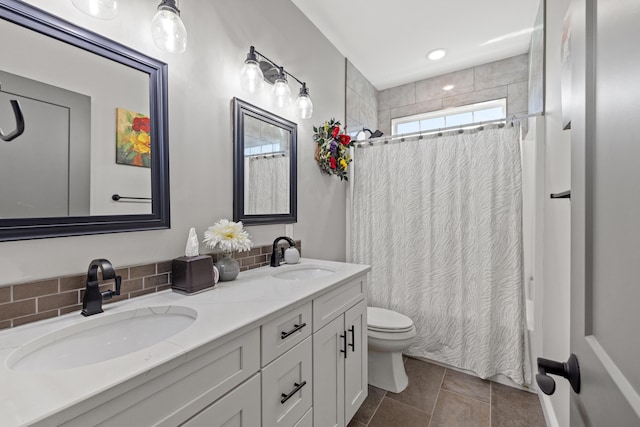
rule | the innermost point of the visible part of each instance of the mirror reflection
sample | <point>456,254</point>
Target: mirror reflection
<point>266,159</point>
<point>87,133</point>
<point>264,166</point>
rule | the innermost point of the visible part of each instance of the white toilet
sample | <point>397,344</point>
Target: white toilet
<point>389,334</point>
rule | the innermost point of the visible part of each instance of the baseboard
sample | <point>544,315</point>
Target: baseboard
<point>549,413</point>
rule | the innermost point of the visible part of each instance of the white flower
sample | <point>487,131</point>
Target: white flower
<point>228,236</point>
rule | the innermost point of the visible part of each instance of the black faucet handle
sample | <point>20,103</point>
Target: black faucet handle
<point>118,284</point>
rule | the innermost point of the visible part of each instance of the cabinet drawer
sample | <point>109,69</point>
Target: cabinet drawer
<point>239,408</point>
<point>332,304</point>
<point>307,420</point>
<point>287,387</point>
<point>283,333</point>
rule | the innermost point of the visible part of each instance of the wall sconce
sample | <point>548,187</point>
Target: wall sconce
<point>101,9</point>
<point>167,29</point>
<point>255,72</point>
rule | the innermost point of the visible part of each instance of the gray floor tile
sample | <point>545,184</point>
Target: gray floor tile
<point>354,423</point>
<point>467,385</point>
<point>515,408</point>
<point>424,382</point>
<point>371,403</point>
<point>392,413</point>
<point>454,410</point>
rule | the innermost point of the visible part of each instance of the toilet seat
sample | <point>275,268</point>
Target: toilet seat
<point>387,321</point>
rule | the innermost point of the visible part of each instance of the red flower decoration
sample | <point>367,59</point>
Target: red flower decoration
<point>333,162</point>
<point>345,139</point>
<point>141,124</point>
<point>336,131</point>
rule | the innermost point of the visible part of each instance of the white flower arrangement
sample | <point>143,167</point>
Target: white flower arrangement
<point>227,235</point>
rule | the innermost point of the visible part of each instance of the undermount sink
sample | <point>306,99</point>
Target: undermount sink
<point>303,273</point>
<point>103,338</point>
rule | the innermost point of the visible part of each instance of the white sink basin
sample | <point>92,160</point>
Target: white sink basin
<point>303,273</point>
<point>101,338</point>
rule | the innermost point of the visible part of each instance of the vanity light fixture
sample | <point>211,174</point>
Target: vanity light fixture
<point>167,29</point>
<point>257,69</point>
<point>437,54</point>
<point>101,9</point>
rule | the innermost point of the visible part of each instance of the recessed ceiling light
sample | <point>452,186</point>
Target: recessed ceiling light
<point>436,54</point>
<point>448,87</point>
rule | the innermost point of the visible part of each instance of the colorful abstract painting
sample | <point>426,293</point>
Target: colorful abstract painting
<point>133,138</point>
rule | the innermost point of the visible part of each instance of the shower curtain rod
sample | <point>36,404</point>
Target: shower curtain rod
<point>460,128</point>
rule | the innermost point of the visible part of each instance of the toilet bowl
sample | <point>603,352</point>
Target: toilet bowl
<point>389,334</point>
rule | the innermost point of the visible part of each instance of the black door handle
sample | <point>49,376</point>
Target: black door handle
<point>295,329</point>
<point>569,370</point>
<point>296,388</point>
<point>352,329</point>
<point>344,341</point>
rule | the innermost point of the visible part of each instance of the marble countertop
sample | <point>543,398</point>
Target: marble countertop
<point>228,309</point>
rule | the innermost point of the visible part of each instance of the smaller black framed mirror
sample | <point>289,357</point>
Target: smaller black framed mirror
<point>264,166</point>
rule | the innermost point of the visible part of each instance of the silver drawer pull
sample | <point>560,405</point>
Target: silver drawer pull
<point>296,389</point>
<point>295,329</point>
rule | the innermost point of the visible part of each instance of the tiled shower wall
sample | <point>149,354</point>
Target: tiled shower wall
<point>28,302</point>
<point>507,78</point>
<point>362,101</point>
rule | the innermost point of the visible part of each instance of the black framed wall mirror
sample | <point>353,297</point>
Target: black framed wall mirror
<point>94,155</point>
<point>264,167</point>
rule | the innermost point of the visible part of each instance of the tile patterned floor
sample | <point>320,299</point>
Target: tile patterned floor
<point>440,397</point>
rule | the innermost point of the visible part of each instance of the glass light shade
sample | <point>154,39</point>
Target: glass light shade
<point>101,9</point>
<point>252,79</point>
<point>168,31</point>
<point>304,106</point>
<point>282,93</point>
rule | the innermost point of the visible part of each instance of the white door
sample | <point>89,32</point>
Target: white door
<point>605,212</point>
<point>328,374</point>
<point>356,367</point>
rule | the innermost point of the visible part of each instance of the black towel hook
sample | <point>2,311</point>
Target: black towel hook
<point>17,112</point>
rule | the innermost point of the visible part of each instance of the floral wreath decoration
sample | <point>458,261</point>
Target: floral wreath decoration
<point>332,149</point>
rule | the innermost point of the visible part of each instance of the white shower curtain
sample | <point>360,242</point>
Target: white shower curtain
<point>439,219</point>
<point>268,179</point>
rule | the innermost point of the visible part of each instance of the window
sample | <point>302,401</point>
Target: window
<point>460,116</point>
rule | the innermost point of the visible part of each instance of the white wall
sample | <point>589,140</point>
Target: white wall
<point>556,258</point>
<point>202,82</point>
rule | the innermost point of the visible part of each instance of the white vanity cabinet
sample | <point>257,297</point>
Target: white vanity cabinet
<point>299,361</point>
<point>340,354</point>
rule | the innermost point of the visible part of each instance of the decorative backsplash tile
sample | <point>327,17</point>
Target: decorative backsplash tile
<point>29,302</point>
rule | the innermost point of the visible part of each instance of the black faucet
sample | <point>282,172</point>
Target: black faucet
<point>276,257</point>
<point>92,300</point>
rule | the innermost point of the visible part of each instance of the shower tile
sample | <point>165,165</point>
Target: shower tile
<point>429,89</point>
<point>370,405</point>
<point>517,100</point>
<point>424,382</point>
<point>394,413</point>
<point>473,97</point>
<point>503,72</point>
<point>467,385</point>
<point>397,96</point>
<point>511,407</point>
<point>422,107</point>
<point>384,121</point>
<point>455,410</point>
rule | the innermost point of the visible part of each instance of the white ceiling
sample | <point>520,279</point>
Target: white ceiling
<point>388,40</point>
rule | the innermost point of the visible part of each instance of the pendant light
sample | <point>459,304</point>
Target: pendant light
<point>252,79</point>
<point>101,9</point>
<point>281,90</point>
<point>303,103</point>
<point>167,29</point>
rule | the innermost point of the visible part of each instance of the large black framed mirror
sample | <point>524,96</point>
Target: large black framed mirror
<point>94,155</point>
<point>264,166</point>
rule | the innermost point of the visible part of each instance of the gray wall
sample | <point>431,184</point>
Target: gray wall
<point>202,82</point>
<point>362,101</point>
<point>507,78</point>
